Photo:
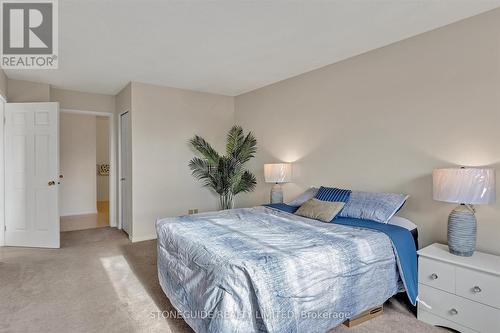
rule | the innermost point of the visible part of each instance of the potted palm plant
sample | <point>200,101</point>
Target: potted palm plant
<point>225,174</point>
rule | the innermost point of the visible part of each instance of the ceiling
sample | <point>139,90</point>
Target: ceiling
<point>227,46</point>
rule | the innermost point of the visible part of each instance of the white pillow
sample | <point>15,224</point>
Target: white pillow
<point>302,198</point>
<point>402,222</point>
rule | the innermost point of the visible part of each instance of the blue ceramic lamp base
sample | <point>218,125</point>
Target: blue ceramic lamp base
<point>462,231</point>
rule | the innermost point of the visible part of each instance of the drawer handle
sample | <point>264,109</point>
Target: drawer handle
<point>453,312</point>
<point>434,276</point>
<point>476,289</point>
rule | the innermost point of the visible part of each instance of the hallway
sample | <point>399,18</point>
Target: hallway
<point>87,221</point>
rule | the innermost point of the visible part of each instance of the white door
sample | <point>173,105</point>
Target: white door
<point>125,173</point>
<point>31,173</point>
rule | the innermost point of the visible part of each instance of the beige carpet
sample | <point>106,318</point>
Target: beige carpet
<point>100,282</point>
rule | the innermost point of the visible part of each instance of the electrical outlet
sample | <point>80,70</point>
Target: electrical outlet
<point>193,211</point>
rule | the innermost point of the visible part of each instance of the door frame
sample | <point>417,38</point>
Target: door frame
<point>113,180</point>
<point>3,101</point>
<point>119,175</point>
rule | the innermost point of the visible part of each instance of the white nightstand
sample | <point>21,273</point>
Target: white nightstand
<point>463,292</point>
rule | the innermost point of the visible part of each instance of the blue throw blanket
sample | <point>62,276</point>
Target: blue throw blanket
<point>402,242</point>
<point>264,270</point>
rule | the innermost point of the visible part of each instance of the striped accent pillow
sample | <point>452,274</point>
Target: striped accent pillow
<point>333,194</point>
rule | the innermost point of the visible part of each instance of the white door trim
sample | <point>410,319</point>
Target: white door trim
<point>113,180</point>
<point>120,217</point>
<point>2,172</point>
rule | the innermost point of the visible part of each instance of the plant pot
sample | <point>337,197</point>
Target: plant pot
<point>226,201</point>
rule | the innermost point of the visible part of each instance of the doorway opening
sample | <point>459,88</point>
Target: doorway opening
<point>86,164</point>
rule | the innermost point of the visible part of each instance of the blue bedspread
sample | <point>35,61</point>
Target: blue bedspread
<point>264,270</point>
<point>402,241</point>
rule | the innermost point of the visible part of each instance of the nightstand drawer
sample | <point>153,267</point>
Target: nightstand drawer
<point>436,274</point>
<point>460,310</point>
<point>432,319</point>
<point>478,286</point>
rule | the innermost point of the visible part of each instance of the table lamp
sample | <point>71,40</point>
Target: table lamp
<point>277,173</point>
<point>467,187</point>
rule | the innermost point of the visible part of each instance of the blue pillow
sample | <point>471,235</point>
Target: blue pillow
<point>333,194</point>
<point>378,207</point>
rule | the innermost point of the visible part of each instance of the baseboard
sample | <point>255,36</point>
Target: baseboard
<point>143,238</point>
<point>79,213</point>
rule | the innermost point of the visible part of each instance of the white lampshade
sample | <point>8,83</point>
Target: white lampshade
<point>278,173</point>
<point>467,185</point>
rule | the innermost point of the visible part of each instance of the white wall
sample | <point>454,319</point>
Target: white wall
<point>76,100</point>
<point>78,164</point>
<point>3,83</point>
<point>102,150</point>
<point>19,91</point>
<point>163,120</point>
<point>384,120</point>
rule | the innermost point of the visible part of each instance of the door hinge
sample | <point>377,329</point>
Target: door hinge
<point>4,228</point>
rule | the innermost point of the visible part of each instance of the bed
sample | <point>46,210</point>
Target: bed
<point>264,269</point>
